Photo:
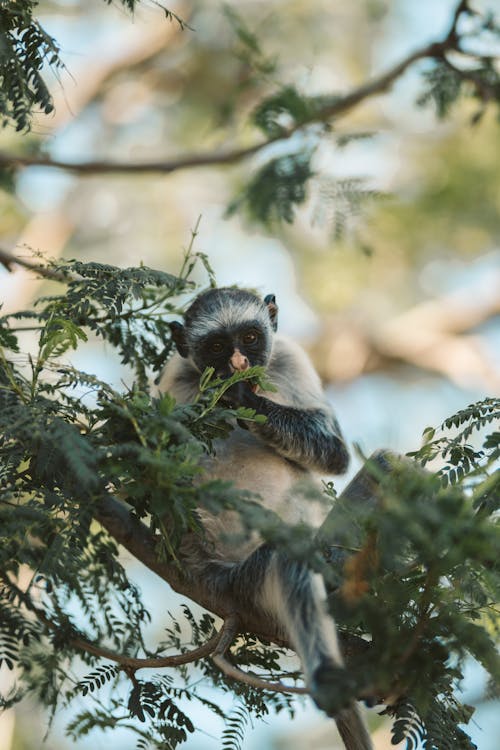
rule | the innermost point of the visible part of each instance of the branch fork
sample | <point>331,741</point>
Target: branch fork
<point>227,634</point>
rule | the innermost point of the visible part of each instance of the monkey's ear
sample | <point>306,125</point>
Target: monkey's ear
<point>179,338</point>
<point>272,308</point>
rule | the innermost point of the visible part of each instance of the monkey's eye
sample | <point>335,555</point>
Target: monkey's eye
<point>216,347</point>
<point>250,337</point>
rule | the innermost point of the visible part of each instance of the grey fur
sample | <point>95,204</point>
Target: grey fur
<point>221,308</point>
<point>301,436</point>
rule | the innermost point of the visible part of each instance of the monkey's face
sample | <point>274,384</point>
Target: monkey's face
<point>228,329</point>
<point>234,349</point>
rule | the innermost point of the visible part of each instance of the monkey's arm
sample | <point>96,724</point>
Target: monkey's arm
<point>310,437</point>
<point>300,423</point>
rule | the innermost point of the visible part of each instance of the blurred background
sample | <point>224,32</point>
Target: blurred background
<point>389,274</point>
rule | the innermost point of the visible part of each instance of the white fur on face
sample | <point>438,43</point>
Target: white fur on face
<point>225,312</point>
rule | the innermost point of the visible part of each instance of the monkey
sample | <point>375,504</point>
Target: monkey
<point>232,329</point>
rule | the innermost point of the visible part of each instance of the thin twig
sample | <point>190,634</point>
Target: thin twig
<point>217,645</point>
<point>162,167</point>
<point>462,7</point>
<point>227,635</point>
<point>8,260</point>
<point>154,662</point>
<point>130,662</point>
<point>486,91</point>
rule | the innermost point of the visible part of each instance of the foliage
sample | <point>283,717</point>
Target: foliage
<point>249,49</point>
<point>286,110</point>
<point>294,122</point>
<point>25,51</point>
<point>443,87</point>
<point>69,438</point>
<point>445,82</point>
<point>276,189</point>
<point>281,184</point>
<point>66,438</point>
<point>429,600</point>
<point>419,581</point>
<point>340,202</point>
<point>465,462</point>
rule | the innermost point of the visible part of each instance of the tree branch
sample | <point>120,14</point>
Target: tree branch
<point>339,107</point>
<point>132,534</point>
<point>227,634</point>
<point>161,167</point>
<point>153,662</point>
<point>452,36</point>
<point>359,497</point>
<point>8,259</point>
<point>131,662</point>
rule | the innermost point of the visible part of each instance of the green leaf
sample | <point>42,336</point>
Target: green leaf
<point>276,190</point>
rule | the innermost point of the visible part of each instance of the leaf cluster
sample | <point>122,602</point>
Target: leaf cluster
<point>249,49</point>
<point>287,109</point>
<point>67,440</point>
<point>465,66</point>
<point>470,70</point>
<point>418,574</point>
<point>420,579</point>
<point>26,51</point>
<point>25,48</point>
<point>276,189</point>
<point>469,453</point>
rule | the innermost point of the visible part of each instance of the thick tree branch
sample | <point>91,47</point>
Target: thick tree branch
<point>132,534</point>
<point>358,497</point>
<point>135,537</point>
<point>338,107</point>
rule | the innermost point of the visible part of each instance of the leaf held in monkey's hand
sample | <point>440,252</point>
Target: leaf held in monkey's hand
<point>247,414</point>
<point>217,391</point>
<point>241,393</point>
<point>254,376</point>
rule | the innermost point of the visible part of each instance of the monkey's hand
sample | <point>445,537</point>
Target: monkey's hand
<point>309,437</point>
<point>241,394</point>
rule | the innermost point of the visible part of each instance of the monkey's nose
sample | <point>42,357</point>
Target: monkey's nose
<point>238,361</point>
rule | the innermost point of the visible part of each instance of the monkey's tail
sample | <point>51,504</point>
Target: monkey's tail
<point>350,722</point>
<point>353,729</point>
<point>296,598</point>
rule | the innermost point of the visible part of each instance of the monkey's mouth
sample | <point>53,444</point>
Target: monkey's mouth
<point>254,387</point>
